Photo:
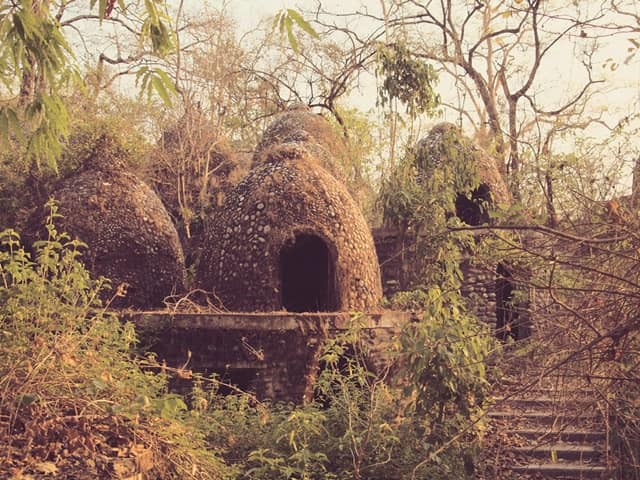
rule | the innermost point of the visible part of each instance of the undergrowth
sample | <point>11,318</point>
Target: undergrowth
<point>77,402</point>
<point>74,401</point>
<point>416,416</point>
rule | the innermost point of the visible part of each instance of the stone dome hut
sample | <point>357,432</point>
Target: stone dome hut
<point>446,140</point>
<point>129,234</point>
<point>489,289</point>
<point>290,237</point>
<point>300,126</point>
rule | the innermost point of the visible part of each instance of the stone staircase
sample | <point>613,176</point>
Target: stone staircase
<point>549,430</point>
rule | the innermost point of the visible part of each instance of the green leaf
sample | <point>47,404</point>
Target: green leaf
<point>293,41</point>
<point>159,87</point>
<point>26,399</point>
<point>302,23</point>
<point>152,11</point>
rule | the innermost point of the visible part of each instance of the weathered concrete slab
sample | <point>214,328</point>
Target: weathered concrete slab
<point>260,321</point>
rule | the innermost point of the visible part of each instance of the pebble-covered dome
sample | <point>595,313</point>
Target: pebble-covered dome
<point>300,126</point>
<point>130,236</point>
<point>290,236</point>
<point>446,139</point>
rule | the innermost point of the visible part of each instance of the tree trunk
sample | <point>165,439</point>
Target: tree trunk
<point>552,215</point>
<point>635,184</point>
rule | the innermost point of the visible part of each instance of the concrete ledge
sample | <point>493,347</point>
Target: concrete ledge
<point>276,355</point>
<point>261,321</point>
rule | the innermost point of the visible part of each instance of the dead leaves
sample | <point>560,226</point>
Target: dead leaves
<point>73,446</point>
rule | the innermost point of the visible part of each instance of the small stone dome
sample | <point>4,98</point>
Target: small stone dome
<point>446,145</point>
<point>129,234</point>
<point>300,126</point>
<point>446,139</point>
<point>290,236</point>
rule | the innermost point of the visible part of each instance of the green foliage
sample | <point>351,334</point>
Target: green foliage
<point>35,58</point>
<point>419,198</point>
<point>62,352</point>
<point>156,27</point>
<point>421,190</point>
<point>362,152</point>
<point>36,63</point>
<point>284,21</point>
<point>31,38</point>
<point>361,424</point>
<point>407,79</point>
<point>64,357</point>
<point>296,453</point>
<point>152,80</point>
<point>444,356</point>
<point>402,198</point>
<point>23,188</point>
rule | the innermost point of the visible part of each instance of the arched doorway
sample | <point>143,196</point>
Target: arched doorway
<point>307,275</point>
<point>474,211</point>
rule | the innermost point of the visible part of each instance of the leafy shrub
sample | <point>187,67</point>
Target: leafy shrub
<point>72,396</point>
<point>363,424</point>
<point>71,389</point>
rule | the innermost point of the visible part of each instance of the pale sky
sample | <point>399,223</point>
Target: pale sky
<point>559,71</point>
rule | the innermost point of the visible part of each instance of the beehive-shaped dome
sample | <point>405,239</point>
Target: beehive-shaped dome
<point>130,236</point>
<point>446,140</point>
<point>300,126</point>
<point>446,143</point>
<point>291,237</point>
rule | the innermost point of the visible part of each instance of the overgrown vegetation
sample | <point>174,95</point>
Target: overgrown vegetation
<point>419,199</point>
<point>365,424</point>
<point>74,400</point>
<point>75,395</point>
<point>587,315</point>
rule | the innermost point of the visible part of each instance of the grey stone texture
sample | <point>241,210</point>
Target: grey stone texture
<point>288,193</point>
<point>130,236</point>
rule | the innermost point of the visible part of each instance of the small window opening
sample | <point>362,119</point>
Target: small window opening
<point>307,275</point>
<point>474,211</point>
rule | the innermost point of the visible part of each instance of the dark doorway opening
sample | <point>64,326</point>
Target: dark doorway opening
<point>507,313</point>
<point>474,210</point>
<point>307,275</point>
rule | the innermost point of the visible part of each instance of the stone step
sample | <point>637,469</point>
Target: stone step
<point>544,402</point>
<point>551,425</point>
<point>545,418</point>
<point>566,471</point>
<point>547,384</point>
<point>565,435</point>
<point>560,451</point>
<point>525,387</point>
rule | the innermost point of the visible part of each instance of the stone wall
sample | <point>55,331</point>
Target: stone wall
<point>274,355</point>
<point>479,288</point>
<point>479,284</point>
